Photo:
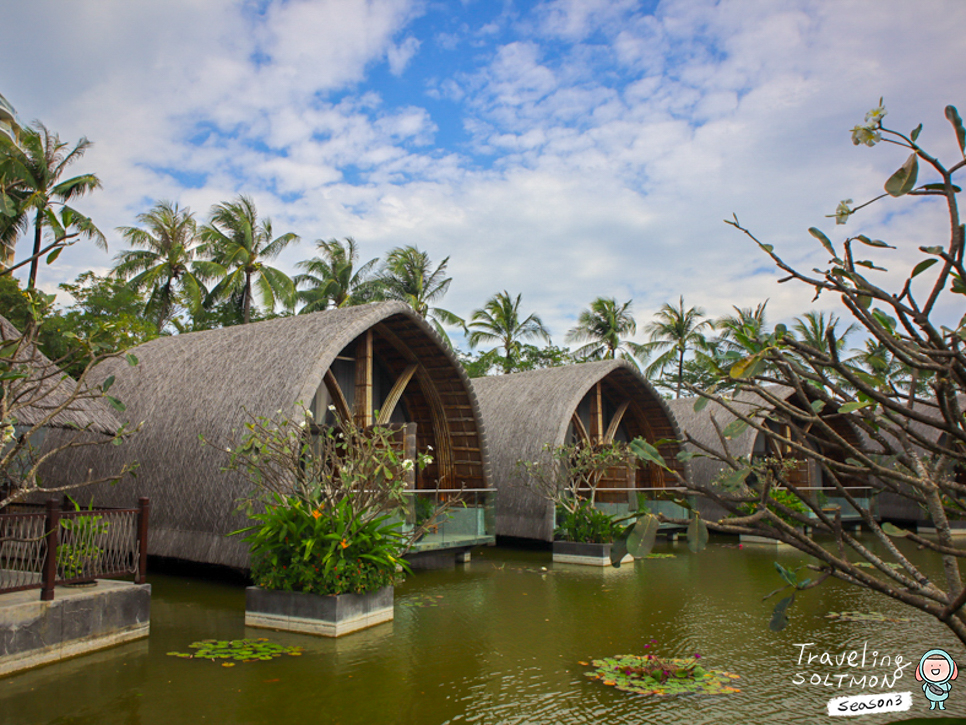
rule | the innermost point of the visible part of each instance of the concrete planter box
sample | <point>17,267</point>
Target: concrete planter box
<point>330,616</point>
<point>569,552</point>
<point>75,622</point>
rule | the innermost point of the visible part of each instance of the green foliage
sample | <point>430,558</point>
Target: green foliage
<point>79,551</point>
<point>318,551</point>
<point>239,650</point>
<point>586,525</point>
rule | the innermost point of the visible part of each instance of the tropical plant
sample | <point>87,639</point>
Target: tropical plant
<point>31,168</point>
<point>79,548</point>
<point>605,327</point>
<point>163,262</point>
<point>238,245</point>
<point>911,442</point>
<point>329,504</point>
<point>407,275</point>
<point>675,331</point>
<point>499,321</point>
<point>586,524</point>
<point>334,277</point>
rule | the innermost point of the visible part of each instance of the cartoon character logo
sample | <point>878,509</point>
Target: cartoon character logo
<point>935,670</point>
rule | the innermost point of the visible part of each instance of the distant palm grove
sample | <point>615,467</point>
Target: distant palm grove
<point>181,274</point>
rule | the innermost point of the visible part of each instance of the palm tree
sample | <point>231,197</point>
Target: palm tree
<point>334,278</point>
<point>165,260</point>
<point>675,330</point>
<point>238,245</point>
<point>31,168</point>
<point>814,327</point>
<point>743,331</point>
<point>605,326</point>
<point>499,320</point>
<point>407,275</point>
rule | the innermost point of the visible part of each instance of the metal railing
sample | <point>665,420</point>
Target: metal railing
<point>41,549</point>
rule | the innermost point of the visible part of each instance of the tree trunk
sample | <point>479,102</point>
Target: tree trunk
<point>680,372</point>
<point>248,296</point>
<point>35,262</point>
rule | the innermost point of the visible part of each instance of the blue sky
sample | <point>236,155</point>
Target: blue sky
<point>563,149</point>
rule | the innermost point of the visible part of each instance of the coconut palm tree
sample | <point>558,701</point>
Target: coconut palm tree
<point>605,327</point>
<point>31,169</point>
<point>238,245</point>
<point>333,277</point>
<point>813,328</point>
<point>675,331</point>
<point>164,261</point>
<point>499,321</point>
<point>407,275</point>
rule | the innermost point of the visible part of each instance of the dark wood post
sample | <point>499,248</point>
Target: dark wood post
<point>52,525</point>
<point>144,507</point>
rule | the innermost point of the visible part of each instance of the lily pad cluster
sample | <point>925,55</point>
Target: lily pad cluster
<point>637,674</point>
<point>238,650</point>
<point>863,617</point>
<point>660,556</point>
<point>422,600</point>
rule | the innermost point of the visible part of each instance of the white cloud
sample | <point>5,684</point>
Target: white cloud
<point>400,55</point>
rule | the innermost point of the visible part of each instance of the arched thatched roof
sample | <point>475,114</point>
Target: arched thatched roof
<point>47,388</point>
<point>207,383</point>
<point>700,426</point>
<point>523,412</point>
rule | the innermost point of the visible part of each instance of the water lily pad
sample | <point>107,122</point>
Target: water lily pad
<point>863,617</point>
<point>661,556</point>
<point>421,600</point>
<point>240,650</point>
<point>684,677</point>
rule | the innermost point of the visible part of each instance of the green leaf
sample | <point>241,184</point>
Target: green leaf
<point>931,250</point>
<point>790,578</point>
<point>116,404</point>
<point>817,405</point>
<point>7,207</point>
<point>646,452</point>
<point>904,179</point>
<point>864,301</point>
<point>915,132</point>
<point>734,429</point>
<point>869,265</point>
<point>700,404</point>
<point>953,115</point>
<point>685,455</point>
<point>642,537</point>
<point>873,242</point>
<point>697,534</point>
<point>855,405</point>
<point>131,359</point>
<point>820,236</point>
<point>890,529</point>
<point>745,367</point>
<point>735,478</point>
<point>779,616</point>
<point>941,187</point>
<point>618,549</point>
<point>107,384</point>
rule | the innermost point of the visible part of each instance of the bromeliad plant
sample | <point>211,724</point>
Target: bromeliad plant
<point>327,504</point>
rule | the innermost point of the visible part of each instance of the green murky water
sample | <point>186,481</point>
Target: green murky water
<point>497,641</point>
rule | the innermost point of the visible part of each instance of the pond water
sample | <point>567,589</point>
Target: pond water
<point>499,640</point>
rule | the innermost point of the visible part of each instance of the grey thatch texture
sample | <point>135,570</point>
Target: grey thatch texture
<point>207,383</point>
<point>48,388</point>
<point>523,412</point>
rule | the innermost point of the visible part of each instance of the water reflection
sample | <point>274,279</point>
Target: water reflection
<point>496,641</point>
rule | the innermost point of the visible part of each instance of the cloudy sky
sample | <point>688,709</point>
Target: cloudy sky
<point>563,150</point>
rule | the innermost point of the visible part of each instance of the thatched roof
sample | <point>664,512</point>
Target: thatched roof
<point>48,388</point>
<point>699,425</point>
<point>523,412</point>
<point>207,383</point>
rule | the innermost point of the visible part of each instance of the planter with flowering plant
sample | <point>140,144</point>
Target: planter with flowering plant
<point>327,535</point>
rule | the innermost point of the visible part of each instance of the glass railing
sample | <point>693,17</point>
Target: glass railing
<point>446,518</point>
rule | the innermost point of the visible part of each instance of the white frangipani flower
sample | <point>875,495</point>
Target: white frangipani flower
<point>842,211</point>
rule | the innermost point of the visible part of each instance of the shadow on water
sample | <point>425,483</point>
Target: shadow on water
<point>498,640</point>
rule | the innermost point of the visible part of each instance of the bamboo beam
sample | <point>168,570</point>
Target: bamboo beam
<point>616,421</point>
<point>398,388</point>
<point>338,398</point>
<point>579,428</point>
<point>596,414</point>
<point>364,380</point>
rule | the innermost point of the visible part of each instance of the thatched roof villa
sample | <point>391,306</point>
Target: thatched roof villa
<point>380,356</point>
<point>594,402</point>
<point>48,388</point>
<point>750,443</point>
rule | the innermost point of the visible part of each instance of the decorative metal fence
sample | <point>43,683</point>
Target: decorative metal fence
<point>41,549</point>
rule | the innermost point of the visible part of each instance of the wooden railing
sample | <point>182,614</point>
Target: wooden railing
<point>43,548</point>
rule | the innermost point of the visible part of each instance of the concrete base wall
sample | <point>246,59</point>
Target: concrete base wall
<point>77,621</point>
<point>329,616</point>
<point>569,552</point>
